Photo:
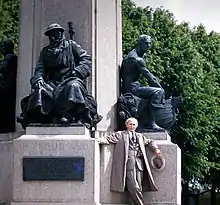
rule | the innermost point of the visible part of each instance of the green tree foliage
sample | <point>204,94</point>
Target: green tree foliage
<point>9,20</point>
<point>187,62</point>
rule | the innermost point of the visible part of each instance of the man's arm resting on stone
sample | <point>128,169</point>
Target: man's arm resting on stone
<point>151,143</point>
<point>113,138</point>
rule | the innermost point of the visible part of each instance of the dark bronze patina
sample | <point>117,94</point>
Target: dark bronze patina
<point>146,103</point>
<point>59,90</point>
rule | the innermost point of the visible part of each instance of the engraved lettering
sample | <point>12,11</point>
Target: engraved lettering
<point>49,146</point>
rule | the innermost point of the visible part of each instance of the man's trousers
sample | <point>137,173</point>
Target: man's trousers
<point>134,180</point>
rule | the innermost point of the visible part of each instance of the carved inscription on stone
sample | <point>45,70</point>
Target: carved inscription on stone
<point>50,146</point>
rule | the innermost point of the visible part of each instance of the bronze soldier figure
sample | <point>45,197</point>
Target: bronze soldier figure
<point>59,84</point>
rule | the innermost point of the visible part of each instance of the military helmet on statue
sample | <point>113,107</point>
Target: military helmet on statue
<point>52,27</point>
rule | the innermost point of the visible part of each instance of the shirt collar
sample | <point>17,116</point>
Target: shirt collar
<point>130,133</point>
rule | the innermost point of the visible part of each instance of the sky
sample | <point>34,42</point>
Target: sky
<point>195,12</point>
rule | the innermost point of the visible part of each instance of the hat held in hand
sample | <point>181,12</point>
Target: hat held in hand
<point>158,162</point>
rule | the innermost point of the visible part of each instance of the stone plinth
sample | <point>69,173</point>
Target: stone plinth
<point>57,130</point>
<point>6,171</point>
<point>57,192</point>
<point>95,189</point>
<point>6,164</point>
<point>54,203</point>
<point>161,136</point>
<point>168,180</point>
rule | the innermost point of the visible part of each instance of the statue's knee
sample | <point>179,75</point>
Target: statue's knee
<point>162,92</point>
<point>75,85</point>
<point>158,96</point>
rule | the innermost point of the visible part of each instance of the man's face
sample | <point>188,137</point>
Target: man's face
<point>131,126</point>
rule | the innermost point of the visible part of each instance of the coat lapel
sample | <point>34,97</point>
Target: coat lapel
<point>126,140</point>
<point>142,147</point>
<point>141,143</point>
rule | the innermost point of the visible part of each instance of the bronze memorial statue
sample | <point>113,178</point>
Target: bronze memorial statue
<point>8,74</point>
<point>59,89</point>
<point>130,167</point>
<point>146,103</point>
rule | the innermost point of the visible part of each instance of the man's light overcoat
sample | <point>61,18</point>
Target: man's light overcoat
<point>120,157</point>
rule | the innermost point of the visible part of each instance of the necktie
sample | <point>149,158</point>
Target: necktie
<point>132,137</point>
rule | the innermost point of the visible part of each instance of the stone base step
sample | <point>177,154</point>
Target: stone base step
<point>57,203</point>
<point>52,203</point>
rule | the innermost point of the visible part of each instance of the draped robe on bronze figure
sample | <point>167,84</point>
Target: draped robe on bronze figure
<point>64,69</point>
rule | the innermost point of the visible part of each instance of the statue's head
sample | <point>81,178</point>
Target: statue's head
<point>6,46</point>
<point>144,42</point>
<point>54,32</point>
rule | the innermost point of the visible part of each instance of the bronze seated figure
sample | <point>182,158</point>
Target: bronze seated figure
<point>59,88</point>
<point>146,103</point>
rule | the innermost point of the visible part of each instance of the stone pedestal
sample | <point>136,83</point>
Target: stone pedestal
<point>6,171</point>
<point>6,166</point>
<point>73,130</point>
<point>168,180</point>
<point>95,189</point>
<point>65,192</point>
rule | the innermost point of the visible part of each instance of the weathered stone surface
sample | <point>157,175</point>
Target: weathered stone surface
<point>86,191</point>
<point>10,136</point>
<point>6,170</point>
<point>108,59</point>
<point>53,203</point>
<point>168,180</point>
<point>58,130</point>
<point>25,60</point>
<point>151,135</point>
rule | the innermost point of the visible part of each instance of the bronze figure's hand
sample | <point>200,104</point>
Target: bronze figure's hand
<point>39,84</point>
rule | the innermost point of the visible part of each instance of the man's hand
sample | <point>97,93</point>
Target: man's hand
<point>157,152</point>
<point>102,140</point>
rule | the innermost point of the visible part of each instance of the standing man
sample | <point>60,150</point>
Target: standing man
<point>130,162</point>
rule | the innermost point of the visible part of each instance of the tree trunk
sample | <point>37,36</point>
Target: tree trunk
<point>185,194</point>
